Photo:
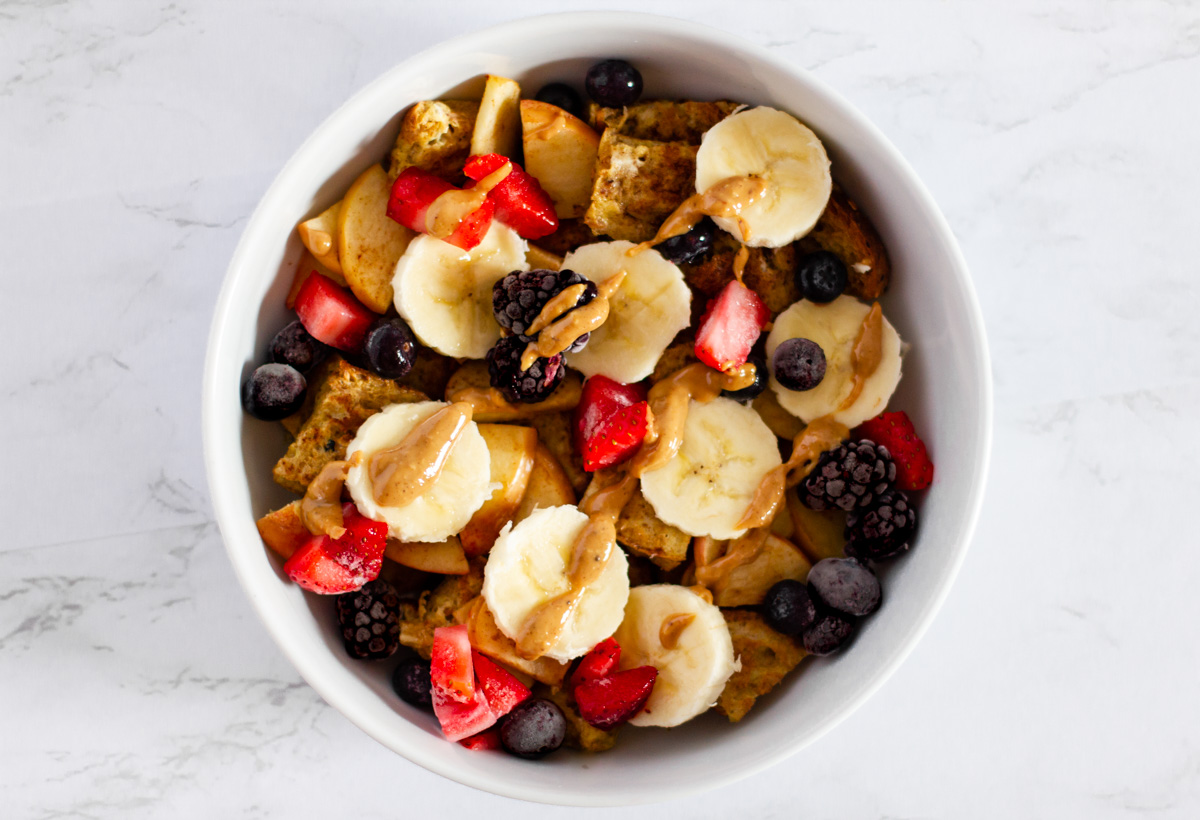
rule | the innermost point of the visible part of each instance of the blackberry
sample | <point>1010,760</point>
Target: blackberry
<point>528,386</point>
<point>518,298</point>
<point>370,621</point>
<point>849,477</point>
<point>883,530</point>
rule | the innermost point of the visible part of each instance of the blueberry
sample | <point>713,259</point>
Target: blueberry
<point>411,680</point>
<point>293,345</point>
<point>614,83</point>
<point>534,729</point>
<point>273,391</point>
<point>846,585</point>
<point>759,385</point>
<point>563,96</point>
<point>690,246</point>
<point>828,633</point>
<point>799,364</point>
<point>821,277</point>
<point>389,348</point>
<point>789,608</point>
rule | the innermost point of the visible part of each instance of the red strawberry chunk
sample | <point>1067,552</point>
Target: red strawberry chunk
<point>608,701</point>
<point>610,422</point>
<point>473,228</point>
<point>452,670</point>
<point>521,203</point>
<point>730,327</point>
<point>486,741</point>
<point>312,569</point>
<point>895,431</point>
<point>501,688</point>
<point>331,314</point>
<point>415,190</point>
<point>600,660</point>
<point>329,566</point>
<point>462,720</point>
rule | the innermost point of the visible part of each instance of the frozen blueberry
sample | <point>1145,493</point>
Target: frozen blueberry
<point>799,364</point>
<point>411,680</point>
<point>389,348</point>
<point>821,277</point>
<point>293,345</point>
<point>759,385</point>
<point>563,96</point>
<point>690,246</point>
<point>614,83</point>
<point>789,608</point>
<point>846,585</point>
<point>273,391</point>
<point>828,633</point>
<point>534,729</point>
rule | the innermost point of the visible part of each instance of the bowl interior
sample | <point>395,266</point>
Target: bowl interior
<point>946,390</point>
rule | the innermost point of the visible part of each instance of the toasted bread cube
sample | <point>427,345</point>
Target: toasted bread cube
<point>638,183</point>
<point>283,531</point>
<point>781,422</point>
<point>845,230</point>
<point>663,120</point>
<point>430,372</point>
<point>435,136</point>
<point>570,235</point>
<point>439,607</point>
<point>471,383</point>
<point>557,432</point>
<point>678,355</point>
<point>766,657</point>
<point>580,734</point>
<point>769,272</point>
<point>345,396</point>
<point>644,533</point>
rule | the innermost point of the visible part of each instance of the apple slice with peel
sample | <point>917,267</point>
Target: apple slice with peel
<point>369,243</point>
<point>498,123</point>
<point>560,152</point>
<point>444,557</point>
<point>320,236</point>
<point>511,449</point>
<point>548,485</point>
<point>819,533</point>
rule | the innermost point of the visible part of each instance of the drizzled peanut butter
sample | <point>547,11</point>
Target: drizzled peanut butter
<point>713,572</point>
<point>560,323</point>
<point>821,435</point>
<point>703,592</point>
<point>448,211</point>
<point>482,400</point>
<point>866,354</point>
<point>549,129</point>
<point>401,474</point>
<point>321,507</point>
<point>727,199</point>
<point>672,627</point>
<point>556,307</point>
<point>739,263</point>
<point>322,242</point>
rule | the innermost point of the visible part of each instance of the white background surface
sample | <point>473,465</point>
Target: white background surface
<point>1061,678</point>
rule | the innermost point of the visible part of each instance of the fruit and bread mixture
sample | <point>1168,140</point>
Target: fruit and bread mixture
<point>588,397</point>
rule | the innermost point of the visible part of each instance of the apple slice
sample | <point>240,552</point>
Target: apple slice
<point>511,449</point>
<point>444,557</point>
<point>498,124</point>
<point>819,533</point>
<point>320,236</point>
<point>560,152</point>
<point>307,265</point>
<point>283,531</point>
<point>369,243</point>
<point>548,485</point>
<point>747,585</point>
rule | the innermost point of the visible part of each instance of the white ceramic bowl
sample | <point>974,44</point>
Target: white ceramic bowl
<point>946,389</point>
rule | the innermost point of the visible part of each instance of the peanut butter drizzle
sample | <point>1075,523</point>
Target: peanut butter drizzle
<point>739,263</point>
<point>321,507</point>
<point>703,592</point>
<point>401,474</point>
<point>452,207</point>
<point>556,307</point>
<point>482,399</point>
<point>549,129</point>
<point>672,627</point>
<point>556,331</point>
<point>821,435</point>
<point>867,353</point>
<point>322,242</point>
<point>738,553</point>
<point>727,199</point>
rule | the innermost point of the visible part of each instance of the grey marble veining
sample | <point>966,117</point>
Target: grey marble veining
<point>1059,680</point>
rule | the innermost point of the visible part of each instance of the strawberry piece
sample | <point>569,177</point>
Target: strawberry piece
<point>486,741</point>
<point>608,701</point>
<point>600,660</point>
<point>312,569</point>
<point>502,690</point>
<point>610,422</point>
<point>415,190</point>
<point>895,431</point>
<point>331,314</point>
<point>462,720</point>
<point>730,327</point>
<point>452,671</point>
<point>330,566</point>
<point>521,203</point>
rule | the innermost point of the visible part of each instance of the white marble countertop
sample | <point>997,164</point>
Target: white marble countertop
<point>1061,678</point>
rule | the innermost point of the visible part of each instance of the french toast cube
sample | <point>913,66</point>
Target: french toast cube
<point>557,432</point>
<point>845,230</point>
<point>678,355</point>
<point>435,136</point>
<point>344,397</point>
<point>637,184</point>
<point>766,657</point>
<point>643,533</point>
<point>438,607</point>
<point>769,272</point>
<point>662,120</point>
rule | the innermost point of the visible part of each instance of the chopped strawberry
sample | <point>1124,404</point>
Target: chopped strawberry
<point>598,662</point>
<point>312,569</point>
<point>415,190</point>
<point>521,204</point>
<point>730,327</point>
<point>486,741</point>
<point>331,314</point>
<point>462,720</point>
<point>610,422</point>
<point>895,431</point>
<point>330,566</point>
<point>616,698</point>
<point>502,689</point>
<point>452,672</point>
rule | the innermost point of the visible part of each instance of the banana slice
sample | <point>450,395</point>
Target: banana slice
<point>786,155</point>
<point>445,293</point>
<point>693,669</point>
<point>449,502</point>
<point>706,488</point>
<point>528,566</point>
<point>652,306</point>
<point>835,328</point>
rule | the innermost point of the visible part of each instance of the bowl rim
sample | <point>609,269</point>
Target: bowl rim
<point>220,462</point>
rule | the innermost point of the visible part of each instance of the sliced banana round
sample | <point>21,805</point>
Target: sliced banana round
<point>776,148</point>
<point>529,565</point>
<point>694,665</point>
<point>652,305</point>
<point>706,488</point>
<point>445,293</point>
<point>835,327</point>
<point>448,503</point>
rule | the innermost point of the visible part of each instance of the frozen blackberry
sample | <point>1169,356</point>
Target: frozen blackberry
<point>370,621</point>
<point>884,529</point>
<point>849,477</point>
<point>518,298</point>
<point>528,386</point>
